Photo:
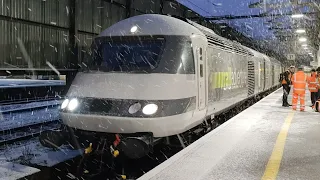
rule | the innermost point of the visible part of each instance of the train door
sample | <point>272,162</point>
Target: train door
<point>199,44</point>
<point>201,58</point>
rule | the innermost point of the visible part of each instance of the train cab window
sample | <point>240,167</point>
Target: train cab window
<point>130,55</point>
<point>142,54</point>
<point>201,70</point>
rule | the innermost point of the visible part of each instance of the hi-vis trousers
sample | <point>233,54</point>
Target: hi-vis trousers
<point>295,101</point>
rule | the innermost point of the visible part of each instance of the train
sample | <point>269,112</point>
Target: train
<point>152,76</point>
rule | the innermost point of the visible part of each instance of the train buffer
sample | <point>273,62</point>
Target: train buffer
<point>265,141</point>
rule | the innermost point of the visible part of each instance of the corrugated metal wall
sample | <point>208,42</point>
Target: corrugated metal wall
<point>42,25</point>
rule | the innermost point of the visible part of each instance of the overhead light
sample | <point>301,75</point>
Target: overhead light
<point>310,53</point>
<point>297,15</point>
<point>305,48</point>
<point>300,31</point>
<point>304,45</point>
<point>302,39</point>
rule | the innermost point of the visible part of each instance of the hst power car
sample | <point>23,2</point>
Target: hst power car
<point>154,76</point>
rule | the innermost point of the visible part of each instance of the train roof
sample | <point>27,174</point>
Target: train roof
<point>151,24</point>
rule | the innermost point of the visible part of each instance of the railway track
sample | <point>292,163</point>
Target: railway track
<point>10,136</point>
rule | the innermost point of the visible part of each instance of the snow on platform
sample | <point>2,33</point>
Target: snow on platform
<point>32,152</point>
<point>241,147</point>
<point>15,107</point>
<point>25,118</point>
<point>12,171</point>
<point>14,83</point>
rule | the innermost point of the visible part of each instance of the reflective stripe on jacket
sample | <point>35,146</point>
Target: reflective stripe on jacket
<point>299,82</point>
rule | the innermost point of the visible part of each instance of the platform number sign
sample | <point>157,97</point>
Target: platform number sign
<point>291,56</point>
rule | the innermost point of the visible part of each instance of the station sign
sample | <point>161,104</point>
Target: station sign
<point>291,57</point>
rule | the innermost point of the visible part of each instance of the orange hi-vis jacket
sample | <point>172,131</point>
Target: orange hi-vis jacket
<point>313,83</point>
<point>318,78</point>
<point>299,82</point>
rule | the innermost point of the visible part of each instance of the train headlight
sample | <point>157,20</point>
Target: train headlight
<point>150,109</point>
<point>64,103</point>
<point>134,108</point>
<point>73,104</point>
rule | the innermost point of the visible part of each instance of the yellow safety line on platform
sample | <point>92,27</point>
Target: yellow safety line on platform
<point>273,165</point>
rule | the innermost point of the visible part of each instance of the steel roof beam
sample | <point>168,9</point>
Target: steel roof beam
<point>228,17</point>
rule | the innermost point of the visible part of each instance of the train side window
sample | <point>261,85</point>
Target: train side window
<point>201,70</point>
<point>200,54</point>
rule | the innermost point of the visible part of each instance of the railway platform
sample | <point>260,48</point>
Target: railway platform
<point>266,141</point>
<point>14,83</point>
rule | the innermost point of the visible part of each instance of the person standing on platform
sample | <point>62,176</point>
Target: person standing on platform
<point>286,81</point>
<point>313,84</point>
<point>299,81</point>
<point>318,76</point>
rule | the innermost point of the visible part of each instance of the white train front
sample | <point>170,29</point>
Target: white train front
<point>162,76</point>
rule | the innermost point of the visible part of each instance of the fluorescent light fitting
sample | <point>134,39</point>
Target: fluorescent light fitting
<point>299,31</point>
<point>297,15</point>
<point>302,39</point>
<point>304,45</point>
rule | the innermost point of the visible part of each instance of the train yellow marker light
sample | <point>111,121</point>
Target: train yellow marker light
<point>274,162</point>
<point>116,153</point>
<point>88,149</point>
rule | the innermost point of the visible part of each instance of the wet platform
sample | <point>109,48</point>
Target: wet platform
<point>14,83</point>
<point>266,141</point>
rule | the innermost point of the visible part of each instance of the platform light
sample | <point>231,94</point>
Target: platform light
<point>133,29</point>
<point>302,39</point>
<point>297,15</point>
<point>304,45</point>
<point>300,31</point>
<point>305,48</point>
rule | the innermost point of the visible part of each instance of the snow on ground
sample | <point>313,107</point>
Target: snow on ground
<point>11,171</point>
<point>12,107</point>
<point>19,119</point>
<point>33,153</point>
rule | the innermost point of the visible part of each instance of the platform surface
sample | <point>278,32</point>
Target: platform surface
<point>12,171</point>
<point>266,141</point>
<point>13,83</point>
